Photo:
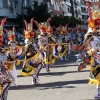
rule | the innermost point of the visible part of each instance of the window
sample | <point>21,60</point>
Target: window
<point>0,4</point>
<point>69,10</point>
<point>5,3</point>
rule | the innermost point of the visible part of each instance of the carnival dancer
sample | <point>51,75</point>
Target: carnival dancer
<point>14,52</point>
<point>74,41</point>
<point>66,39</point>
<point>33,58</point>
<point>93,47</point>
<point>57,48</point>
<point>51,41</point>
<point>79,41</point>
<point>6,78</point>
<point>43,42</point>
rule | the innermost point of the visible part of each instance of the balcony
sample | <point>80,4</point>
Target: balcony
<point>82,5</point>
<point>55,11</point>
<point>67,2</point>
<point>84,13</point>
<point>6,13</point>
<point>69,14</point>
<point>89,0</point>
<point>84,20</point>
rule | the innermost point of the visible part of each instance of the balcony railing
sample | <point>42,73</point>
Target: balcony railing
<point>66,2</point>
<point>68,14</point>
<point>83,13</point>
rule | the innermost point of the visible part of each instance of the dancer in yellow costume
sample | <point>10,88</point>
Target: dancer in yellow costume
<point>93,47</point>
<point>33,57</point>
<point>65,39</point>
<point>51,40</point>
<point>43,42</point>
<point>6,77</point>
<point>14,52</point>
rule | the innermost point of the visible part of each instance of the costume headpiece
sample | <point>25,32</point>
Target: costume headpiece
<point>78,27</point>
<point>63,29</point>
<point>1,30</point>
<point>43,27</point>
<point>49,28</point>
<point>11,34</point>
<point>29,29</point>
<point>94,17</point>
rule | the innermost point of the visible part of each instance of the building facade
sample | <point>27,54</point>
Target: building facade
<point>10,9</point>
<point>80,10</point>
<point>96,4</point>
<point>76,8</point>
<point>7,10</point>
<point>66,6</point>
<point>58,7</point>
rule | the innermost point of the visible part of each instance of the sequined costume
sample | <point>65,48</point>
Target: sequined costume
<point>13,54</point>
<point>92,45</point>
<point>33,57</point>
<point>6,78</point>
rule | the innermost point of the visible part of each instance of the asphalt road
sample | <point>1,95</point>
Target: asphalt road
<point>63,83</point>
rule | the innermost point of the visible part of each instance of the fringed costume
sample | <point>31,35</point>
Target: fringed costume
<point>33,58</point>
<point>6,78</point>
<point>14,52</point>
<point>92,45</point>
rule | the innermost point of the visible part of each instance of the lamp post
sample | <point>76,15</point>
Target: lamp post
<point>23,13</point>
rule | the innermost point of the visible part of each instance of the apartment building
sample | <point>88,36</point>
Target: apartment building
<point>79,9</point>
<point>96,4</point>
<point>7,10</point>
<point>10,9</point>
<point>76,8</point>
<point>58,7</point>
<point>66,6</point>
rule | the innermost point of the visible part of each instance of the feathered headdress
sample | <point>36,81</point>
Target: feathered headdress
<point>94,17</point>
<point>1,30</point>
<point>11,34</point>
<point>44,27</point>
<point>63,29</point>
<point>49,28</point>
<point>29,29</point>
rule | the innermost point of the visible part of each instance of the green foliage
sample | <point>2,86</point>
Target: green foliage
<point>57,20</point>
<point>41,14</point>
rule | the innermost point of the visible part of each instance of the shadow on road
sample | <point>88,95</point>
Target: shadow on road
<point>51,85</point>
<point>71,59</point>
<point>57,73</point>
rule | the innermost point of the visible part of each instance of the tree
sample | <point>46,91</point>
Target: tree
<point>57,20</point>
<point>39,13</point>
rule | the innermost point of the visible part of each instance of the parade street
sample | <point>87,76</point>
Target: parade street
<point>63,83</point>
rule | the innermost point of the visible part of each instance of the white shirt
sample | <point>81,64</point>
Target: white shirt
<point>96,43</point>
